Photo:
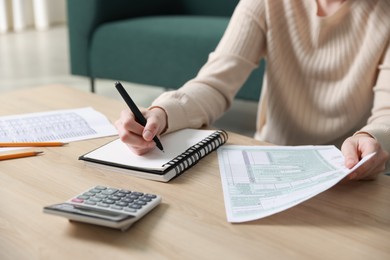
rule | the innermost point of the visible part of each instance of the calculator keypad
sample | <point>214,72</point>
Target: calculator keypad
<point>118,200</point>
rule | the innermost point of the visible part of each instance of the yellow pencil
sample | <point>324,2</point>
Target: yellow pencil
<point>31,144</point>
<point>18,155</point>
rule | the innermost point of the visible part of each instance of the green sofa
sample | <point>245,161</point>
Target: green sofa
<point>155,42</point>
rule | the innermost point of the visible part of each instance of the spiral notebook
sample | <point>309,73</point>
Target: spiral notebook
<point>182,150</point>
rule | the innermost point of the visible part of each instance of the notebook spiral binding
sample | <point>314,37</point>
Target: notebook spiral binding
<point>193,154</point>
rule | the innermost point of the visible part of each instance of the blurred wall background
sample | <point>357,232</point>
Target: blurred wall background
<point>19,15</point>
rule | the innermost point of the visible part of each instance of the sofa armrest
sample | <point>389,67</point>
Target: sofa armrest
<point>86,15</point>
<point>208,7</point>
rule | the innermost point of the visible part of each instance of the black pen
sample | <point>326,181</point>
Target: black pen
<point>133,107</point>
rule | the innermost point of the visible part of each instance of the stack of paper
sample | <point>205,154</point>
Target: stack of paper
<point>58,125</point>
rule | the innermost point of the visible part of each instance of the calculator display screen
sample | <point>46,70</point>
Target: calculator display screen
<point>89,212</point>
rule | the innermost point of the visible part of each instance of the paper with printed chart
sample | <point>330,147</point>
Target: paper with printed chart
<point>58,125</point>
<point>259,181</point>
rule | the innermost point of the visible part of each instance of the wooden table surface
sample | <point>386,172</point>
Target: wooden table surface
<point>349,221</point>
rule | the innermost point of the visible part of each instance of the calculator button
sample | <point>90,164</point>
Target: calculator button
<point>130,210</point>
<point>139,202</point>
<point>137,193</point>
<point>116,207</point>
<point>77,200</point>
<point>145,199</point>
<point>113,197</point>
<point>151,196</point>
<point>104,205</point>
<point>100,187</point>
<point>95,191</point>
<point>83,197</point>
<point>122,204</point>
<point>134,197</point>
<point>88,202</point>
<point>135,206</point>
<point>108,201</point>
<point>109,191</point>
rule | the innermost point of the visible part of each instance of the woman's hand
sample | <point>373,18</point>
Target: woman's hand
<point>355,148</point>
<point>137,137</point>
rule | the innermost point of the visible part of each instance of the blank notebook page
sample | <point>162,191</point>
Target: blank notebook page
<point>174,145</point>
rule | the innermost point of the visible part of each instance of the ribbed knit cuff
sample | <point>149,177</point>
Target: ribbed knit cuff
<point>177,118</point>
<point>381,133</point>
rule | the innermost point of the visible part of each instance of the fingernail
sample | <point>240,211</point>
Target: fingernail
<point>148,135</point>
<point>350,163</point>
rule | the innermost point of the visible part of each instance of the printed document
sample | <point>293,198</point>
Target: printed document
<point>59,125</point>
<point>259,181</point>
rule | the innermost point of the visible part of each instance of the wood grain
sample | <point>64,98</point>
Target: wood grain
<point>349,221</point>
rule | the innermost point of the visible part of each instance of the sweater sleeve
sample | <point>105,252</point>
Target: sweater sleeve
<point>206,97</point>
<point>379,122</point>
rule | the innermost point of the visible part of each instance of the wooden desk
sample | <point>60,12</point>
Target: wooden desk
<point>346,222</point>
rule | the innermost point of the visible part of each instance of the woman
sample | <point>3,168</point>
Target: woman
<point>327,79</point>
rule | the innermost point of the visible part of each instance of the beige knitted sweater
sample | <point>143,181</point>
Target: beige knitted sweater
<point>326,77</point>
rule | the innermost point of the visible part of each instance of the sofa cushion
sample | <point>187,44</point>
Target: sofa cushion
<point>173,48</point>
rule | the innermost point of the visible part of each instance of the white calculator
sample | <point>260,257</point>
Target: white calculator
<point>106,206</point>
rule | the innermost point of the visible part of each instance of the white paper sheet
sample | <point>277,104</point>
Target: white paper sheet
<point>59,125</point>
<point>259,181</point>
<point>175,144</point>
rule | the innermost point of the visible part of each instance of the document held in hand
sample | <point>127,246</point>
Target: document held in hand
<point>182,149</point>
<point>259,181</point>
